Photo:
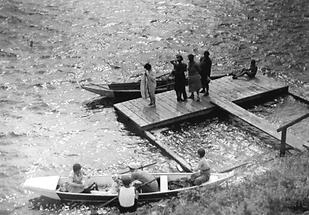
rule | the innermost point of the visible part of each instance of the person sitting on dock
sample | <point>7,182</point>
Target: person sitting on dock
<point>127,195</point>
<point>202,172</point>
<point>143,177</point>
<point>180,78</point>
<point>77,181</point>
<point>251,72</point>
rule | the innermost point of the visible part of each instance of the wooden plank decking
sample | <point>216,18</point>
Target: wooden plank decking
<point>169,111</point>
<point>258,122</point>
<point>224,92</point>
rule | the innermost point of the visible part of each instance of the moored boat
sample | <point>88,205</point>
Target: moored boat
<point>49,186</point>
<point>124,91</point>
<point>129,90</point>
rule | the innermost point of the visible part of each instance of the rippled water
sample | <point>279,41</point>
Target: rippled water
<point>45,46</point>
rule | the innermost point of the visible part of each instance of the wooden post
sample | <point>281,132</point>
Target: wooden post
<point>283,142</point>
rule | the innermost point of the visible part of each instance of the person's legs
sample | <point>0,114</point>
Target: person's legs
<point>198,95</point>
<point>152,98</point>
<point>194,176</point>
<point>93,186</point>
<point>207,90</point>
<point>178,94</point>
<point>201,179</point>
<point>183,93</point>
<point>238,74</point>
<point>204,82</point>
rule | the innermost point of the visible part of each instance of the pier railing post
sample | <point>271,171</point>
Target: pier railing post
<point>283,142</point>
<point>283,130</point>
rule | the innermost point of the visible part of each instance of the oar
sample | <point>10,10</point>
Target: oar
<point>113,199</point>
<point>234,167</point>
<point>141,167</point>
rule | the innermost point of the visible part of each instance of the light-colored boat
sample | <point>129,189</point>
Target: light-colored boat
<point>49,186</point>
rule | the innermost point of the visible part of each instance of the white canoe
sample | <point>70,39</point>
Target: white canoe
<point>47,186</point>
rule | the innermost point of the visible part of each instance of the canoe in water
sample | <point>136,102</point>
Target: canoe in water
<point>49,186</point>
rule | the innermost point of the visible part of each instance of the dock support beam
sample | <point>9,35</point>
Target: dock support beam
<point>283,142</point>
<point>284,129</point>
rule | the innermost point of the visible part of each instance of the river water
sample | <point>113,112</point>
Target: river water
<point>45,46</point>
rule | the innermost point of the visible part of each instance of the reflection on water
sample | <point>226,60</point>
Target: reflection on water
<point>47,122</point>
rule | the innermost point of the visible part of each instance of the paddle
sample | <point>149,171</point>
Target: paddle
<point>141,167</point>
<point>234,167</point>
<point>113,199</point>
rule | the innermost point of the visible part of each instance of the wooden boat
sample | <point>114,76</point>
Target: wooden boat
<point>47,186</point>
<point>130,90</point>
<point>124,91</point>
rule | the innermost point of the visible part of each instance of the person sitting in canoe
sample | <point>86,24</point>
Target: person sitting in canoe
<point>250,72</point>
<point>77,183</point>
<point>127,195</point>
<point>202,171</point>
<point>143,177</point>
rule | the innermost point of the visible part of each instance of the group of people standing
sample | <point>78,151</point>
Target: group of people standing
<point>198,76</point>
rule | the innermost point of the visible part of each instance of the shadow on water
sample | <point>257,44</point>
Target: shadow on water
<point>97,103</point>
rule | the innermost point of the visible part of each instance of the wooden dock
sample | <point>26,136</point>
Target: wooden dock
<point>225,93</point>
<point>168,111</point>
<point>258,122</point>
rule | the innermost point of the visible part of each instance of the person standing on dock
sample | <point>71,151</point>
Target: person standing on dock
<point>250,72</point>
<point>205,66</point>
<point>194,77</point>
<point>180,78</point>
<point>148,84</point>
<point>202,171</point>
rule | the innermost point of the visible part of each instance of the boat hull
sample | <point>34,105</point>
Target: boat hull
<point>104,196</point>
<point>127,91</point>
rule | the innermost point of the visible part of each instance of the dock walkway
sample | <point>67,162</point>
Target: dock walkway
<point>258,122</point>
<point>225,93</point>
<point>169,111</point>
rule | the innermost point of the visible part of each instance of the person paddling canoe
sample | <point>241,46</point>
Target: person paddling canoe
<point>143,177</point>
<point>202,171</point>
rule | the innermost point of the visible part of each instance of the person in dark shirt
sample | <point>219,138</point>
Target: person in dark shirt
<point>143,177</point>
<point>194,79</point>
<point>180,78</point>
<point>205,67</point>
<point>250,72</point>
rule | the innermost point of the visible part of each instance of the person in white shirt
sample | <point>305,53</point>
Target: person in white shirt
<point>127,195</point>
<point>76,183</point>
<point>149,84</point>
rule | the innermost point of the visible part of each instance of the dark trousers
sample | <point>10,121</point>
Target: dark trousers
<point>181,93</point>
<point>129,209</point>
<point>93,186</point>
